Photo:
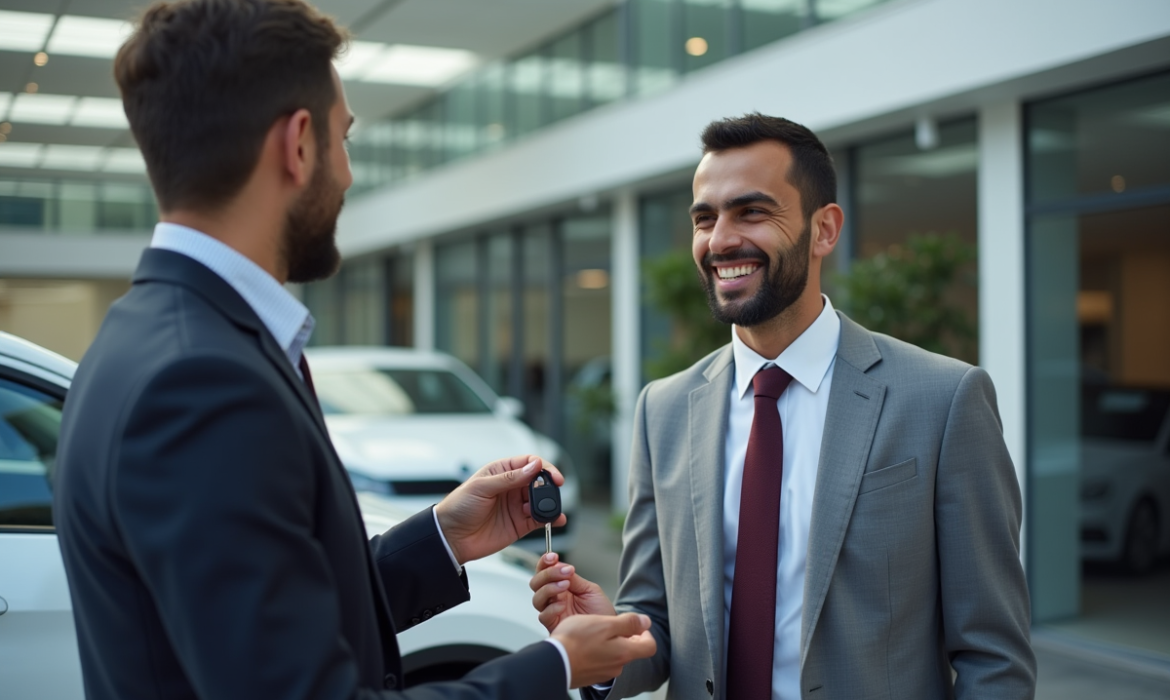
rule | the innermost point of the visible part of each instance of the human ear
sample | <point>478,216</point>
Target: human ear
<point>826,222</point>
<point>299,148</point>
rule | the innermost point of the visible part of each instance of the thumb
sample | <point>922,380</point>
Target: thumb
<point>631,624</point>
<point>508,480</point>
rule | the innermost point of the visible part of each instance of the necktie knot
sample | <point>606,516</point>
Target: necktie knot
<point>771,382</point>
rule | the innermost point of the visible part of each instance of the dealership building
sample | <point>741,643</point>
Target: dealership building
<point>516,170</point>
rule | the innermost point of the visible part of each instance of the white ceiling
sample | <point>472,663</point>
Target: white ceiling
<point>488,29</point>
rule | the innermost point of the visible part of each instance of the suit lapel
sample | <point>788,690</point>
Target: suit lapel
<point>855,403</point>
<point>708,409</point>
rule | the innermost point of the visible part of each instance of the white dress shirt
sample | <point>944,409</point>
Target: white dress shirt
<point>809,359</point>
<point>285,317</point>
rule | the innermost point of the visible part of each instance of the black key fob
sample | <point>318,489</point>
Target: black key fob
<point>545,498</point>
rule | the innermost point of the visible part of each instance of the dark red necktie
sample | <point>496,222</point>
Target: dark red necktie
<point>308,377</point>
<point>752,632</point>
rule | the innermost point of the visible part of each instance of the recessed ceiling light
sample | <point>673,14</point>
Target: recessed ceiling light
<point>62,157</point>
<point>31,88</point>
<point>23,31</point>
<point>42,109</point>
<point>41,58</point>
<point>428,66</point>
<point>696,46</point>
<point>352,64</point>
<point>124,160</point>
<point>103,112</point>
<point>88,36</point>
<point>20,155</point>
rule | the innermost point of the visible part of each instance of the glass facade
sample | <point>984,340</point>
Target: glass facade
<point>1098,271</point>
<point>76,205</point>
<point>639,47</point>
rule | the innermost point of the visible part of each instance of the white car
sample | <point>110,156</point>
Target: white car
<point>38,644</point>
<point>412,425</point>
<point>1125,475</point>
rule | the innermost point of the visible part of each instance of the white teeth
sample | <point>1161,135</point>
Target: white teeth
<point>728,273</point>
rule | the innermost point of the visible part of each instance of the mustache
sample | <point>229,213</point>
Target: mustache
<point>758,255</point>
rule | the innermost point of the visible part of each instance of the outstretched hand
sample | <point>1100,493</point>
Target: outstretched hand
<point>490,510</point>
<point>559,593</point>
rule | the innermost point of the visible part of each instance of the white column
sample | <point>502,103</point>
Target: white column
<point>627,352</point>
<point>1001,268</point>
<point>424,295</point>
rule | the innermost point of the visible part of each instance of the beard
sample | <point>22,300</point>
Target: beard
<point>784,282</point>
<point>310,229</point>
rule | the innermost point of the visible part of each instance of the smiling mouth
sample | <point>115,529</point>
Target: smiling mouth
<point>731,273</point>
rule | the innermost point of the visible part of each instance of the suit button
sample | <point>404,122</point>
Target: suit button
<point>438,609</point>
<point>427,614</point>
<point>415,620</point>
<point>390,682</point>
<point>710,687</point>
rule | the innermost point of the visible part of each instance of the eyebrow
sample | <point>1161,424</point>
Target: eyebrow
<point>735,202</point>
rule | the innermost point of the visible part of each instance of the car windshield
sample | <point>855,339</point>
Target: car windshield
<point>1122,413</point>
<point>368,391</point>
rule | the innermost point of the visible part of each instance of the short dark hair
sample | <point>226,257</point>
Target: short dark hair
<point>811,171</point>
<point>203,81</point>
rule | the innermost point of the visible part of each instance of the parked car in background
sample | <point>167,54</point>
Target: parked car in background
<point>1125,475</point>
<point>38,643</point>
<point>411,425</point>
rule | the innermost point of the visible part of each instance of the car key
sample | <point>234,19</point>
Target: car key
<point>545,500</point>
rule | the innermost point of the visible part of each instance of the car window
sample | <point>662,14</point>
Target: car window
<point>394,392</point>
<point>30,423</point>
<point>1122,413</point>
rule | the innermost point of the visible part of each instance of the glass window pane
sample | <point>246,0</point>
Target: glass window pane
<point>460,135</point>
<point>587,328</point>
<point>537,257</point>
<point>704,32</point>
<point>765,21</point>
<point>607,74</point>
<point>321,298</point>
<point>457,308</point>
<point>492,105</point>
<point>1111,140</point>
<point>527,79</point>
<point>401,285</point>
<point>497,312</point>
<point>30,422</point>
<point>566,80</point>
<point>655,45</point>
<point>362,301</point>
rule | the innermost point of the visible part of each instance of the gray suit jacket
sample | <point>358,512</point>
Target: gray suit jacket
<point>913,557</point>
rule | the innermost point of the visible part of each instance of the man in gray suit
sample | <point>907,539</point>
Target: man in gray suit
<point>817,512</point>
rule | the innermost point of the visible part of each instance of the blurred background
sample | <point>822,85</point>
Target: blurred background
<point>522,177</point>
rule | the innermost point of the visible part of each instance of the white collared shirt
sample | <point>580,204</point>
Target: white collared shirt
<point>803,405</point>
<point>286,318</point>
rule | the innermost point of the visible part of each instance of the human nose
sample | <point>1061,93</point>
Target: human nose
<point>724,236</point>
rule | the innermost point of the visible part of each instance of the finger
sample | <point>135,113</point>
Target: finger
<point>547,560</point>
<point>495,484</point>
<point>550,575</point>
<point>630,624</point>
<point>641,646</point>
<point>548,593</point>
<point>550,617</point>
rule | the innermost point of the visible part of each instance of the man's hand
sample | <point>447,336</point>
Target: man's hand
<point>600,645</point>
<point>490,510</point>
<point>560,593</point>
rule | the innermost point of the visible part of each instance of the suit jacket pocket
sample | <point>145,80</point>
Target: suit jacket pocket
<point>888,476</point>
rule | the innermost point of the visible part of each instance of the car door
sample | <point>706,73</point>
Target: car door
<point>38,644</point>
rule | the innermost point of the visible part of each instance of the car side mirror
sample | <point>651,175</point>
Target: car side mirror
<point>509,407</point>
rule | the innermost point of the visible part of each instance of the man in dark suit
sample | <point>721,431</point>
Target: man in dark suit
<point>212,541</point>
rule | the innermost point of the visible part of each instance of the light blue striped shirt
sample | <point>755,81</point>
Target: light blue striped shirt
<point>286,318</point>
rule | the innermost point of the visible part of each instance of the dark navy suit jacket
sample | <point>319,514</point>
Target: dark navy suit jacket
<point>212,541</point>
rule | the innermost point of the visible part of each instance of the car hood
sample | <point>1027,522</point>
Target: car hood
<point>427,447</point>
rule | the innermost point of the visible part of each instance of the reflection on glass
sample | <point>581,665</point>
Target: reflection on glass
<point>607,75</point>
<point>30,422</point>
<point>527,81</point>
<point>537,315</point>
<point>497,313</point>
<point>77,205</point>
<point>1107,141</point>
<point>655,45</point>
<point>490,87</point>
<point>566,76</point>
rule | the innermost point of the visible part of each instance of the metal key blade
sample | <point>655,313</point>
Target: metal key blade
<point>548,538</point>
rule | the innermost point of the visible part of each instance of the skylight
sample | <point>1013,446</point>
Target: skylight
<point>42,109</point>
<point>88,36</point>
<point>404,64</point>
<point>20,155</point>
<point>62,157</point>
<point>23,31</point>
<point>104,112</point>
